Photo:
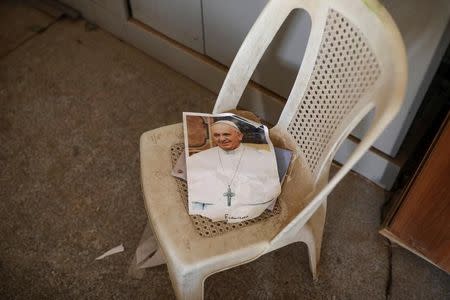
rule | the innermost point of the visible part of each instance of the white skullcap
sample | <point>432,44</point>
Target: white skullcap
<point>229,123</point>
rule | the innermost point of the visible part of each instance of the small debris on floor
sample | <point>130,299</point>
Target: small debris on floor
<point>88,26</point>
<point>37,28</point>
<point>112,251</point>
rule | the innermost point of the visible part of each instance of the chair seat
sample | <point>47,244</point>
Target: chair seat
<point>173,227</point>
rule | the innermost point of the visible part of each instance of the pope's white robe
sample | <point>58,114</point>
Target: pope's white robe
<point>255,184</point>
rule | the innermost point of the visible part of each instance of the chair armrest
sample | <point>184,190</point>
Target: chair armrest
<point>380,121</point>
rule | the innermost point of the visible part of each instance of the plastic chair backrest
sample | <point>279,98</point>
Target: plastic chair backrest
<point>354,62</point>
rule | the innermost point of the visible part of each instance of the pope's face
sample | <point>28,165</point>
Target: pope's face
<point>226,137</point>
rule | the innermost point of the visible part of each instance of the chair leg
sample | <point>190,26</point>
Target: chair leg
<point>313,257</point>
<point>311,234</point>
<point>148,254</point>
<point>188,286</point>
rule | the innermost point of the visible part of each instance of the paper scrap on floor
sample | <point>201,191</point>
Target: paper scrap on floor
<point>112,251</point>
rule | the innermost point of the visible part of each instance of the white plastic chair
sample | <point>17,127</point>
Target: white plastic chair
<point>354,62</point>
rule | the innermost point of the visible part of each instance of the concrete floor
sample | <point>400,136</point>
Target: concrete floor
<point>73,103</point>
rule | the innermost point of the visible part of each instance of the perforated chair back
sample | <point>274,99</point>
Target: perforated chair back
<point>354,62</point>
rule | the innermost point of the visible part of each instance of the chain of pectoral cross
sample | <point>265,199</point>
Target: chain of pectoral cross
<point>229,194</point>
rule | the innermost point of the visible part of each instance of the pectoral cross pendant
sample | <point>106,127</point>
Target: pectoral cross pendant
<point>229,194</point>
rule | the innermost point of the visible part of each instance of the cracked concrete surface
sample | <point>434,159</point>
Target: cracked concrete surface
<point>73,104</point>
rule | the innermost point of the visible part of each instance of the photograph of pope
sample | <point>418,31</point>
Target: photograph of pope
<point>232,172</point>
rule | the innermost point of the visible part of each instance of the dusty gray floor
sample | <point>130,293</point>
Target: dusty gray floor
<point>73,105</point>
<point>19,23</point>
